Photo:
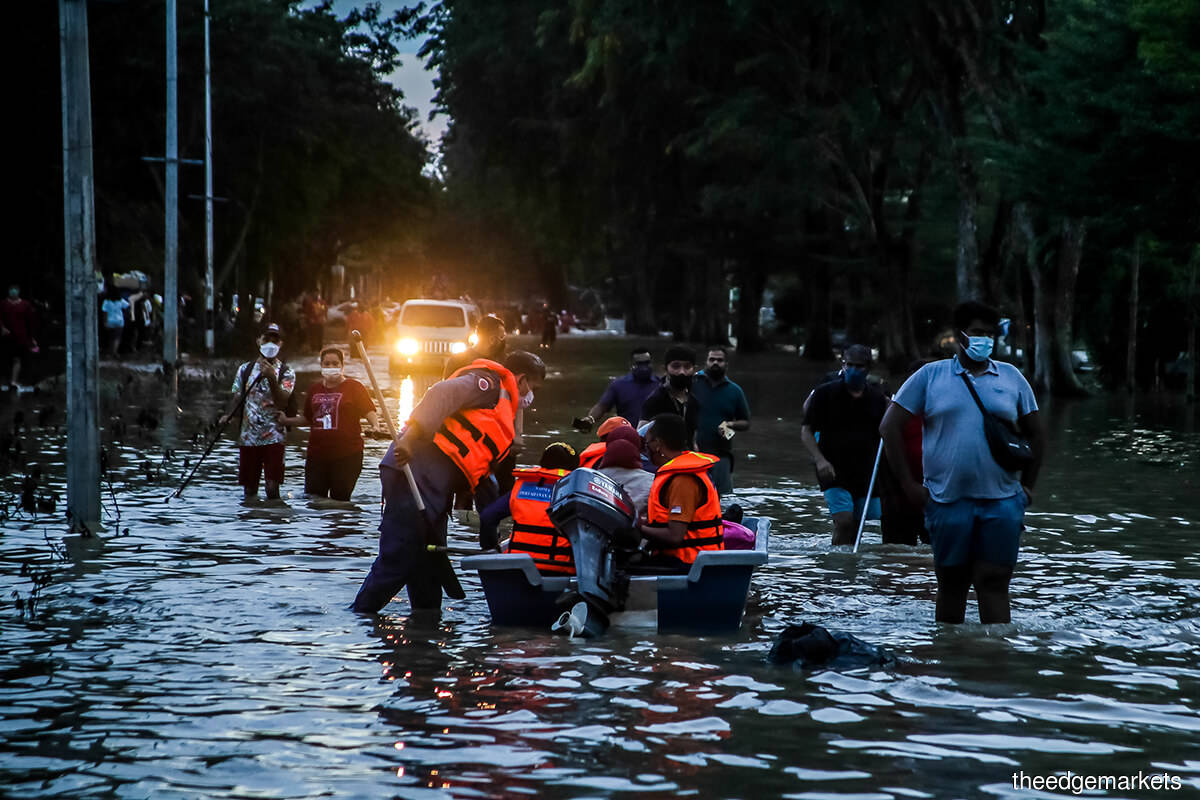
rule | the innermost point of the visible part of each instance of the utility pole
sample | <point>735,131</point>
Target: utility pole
<point>171,247</point>
<point>1131,343</point>
<point>83,346</point>
<point>209,288</point>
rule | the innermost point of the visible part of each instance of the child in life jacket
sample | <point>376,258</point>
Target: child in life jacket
<point>527,504</point>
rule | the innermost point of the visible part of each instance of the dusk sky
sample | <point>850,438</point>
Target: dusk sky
<point>412,78</point>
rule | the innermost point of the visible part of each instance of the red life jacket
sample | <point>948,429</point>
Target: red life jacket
<point>533,533</point>
<point>704,531</point>
<point>592,454</point>
<point>476,439</point>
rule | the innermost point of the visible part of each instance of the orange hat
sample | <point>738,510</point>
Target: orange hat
<point>611,424</point>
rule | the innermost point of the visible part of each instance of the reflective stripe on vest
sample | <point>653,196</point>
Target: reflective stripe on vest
<point>592,454</point>
<point>533,533</point>
<point>476,439</point>
<point>705,531</point>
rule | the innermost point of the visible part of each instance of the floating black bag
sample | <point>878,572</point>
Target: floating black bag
<point>808,646</point>
<point>1009,448</point>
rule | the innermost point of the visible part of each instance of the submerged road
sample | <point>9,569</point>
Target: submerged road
<point>209,651</point>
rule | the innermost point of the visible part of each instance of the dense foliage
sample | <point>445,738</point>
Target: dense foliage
<point>859,165</point>
<point>314,152</point>
<point>872,162</point>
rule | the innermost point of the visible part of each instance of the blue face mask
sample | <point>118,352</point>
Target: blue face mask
<point>979,348</point>
<point>642,373</point>
<point>855,378</point>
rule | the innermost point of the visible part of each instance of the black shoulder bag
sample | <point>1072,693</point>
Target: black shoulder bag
<point>1009,448</point>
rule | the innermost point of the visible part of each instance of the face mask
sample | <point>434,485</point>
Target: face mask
<point>979,348</point>
<point>527,399</point>
<point>14,293</point>
<point>715,372</point>
<point>269,349</point>
<point>331,373</point>
<point>855,378</point>
<point>642,373</point>
<point>680,381</point>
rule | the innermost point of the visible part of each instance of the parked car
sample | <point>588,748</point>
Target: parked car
<point>427,332</point>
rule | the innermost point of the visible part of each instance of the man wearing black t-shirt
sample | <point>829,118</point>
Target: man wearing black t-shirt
<point>845,415</point>
<point>674,396</point>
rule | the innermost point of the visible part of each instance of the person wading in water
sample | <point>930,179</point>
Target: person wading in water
<point>333,407</point>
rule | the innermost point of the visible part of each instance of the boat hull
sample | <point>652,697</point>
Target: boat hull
<point>710,598</point>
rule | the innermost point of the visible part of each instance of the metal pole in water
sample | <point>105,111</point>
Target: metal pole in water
<point>171,245</point>
<point>209,288</point>
<point>83,346</point>
<point>870,488</point>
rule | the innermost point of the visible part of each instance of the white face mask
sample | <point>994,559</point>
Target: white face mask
<point>527,399</point>
<point>269,349</point>
<point>331,373</point>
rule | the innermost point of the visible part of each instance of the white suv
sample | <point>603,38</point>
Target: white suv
<point>429,331</point>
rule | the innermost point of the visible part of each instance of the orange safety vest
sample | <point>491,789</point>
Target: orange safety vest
<point>533,533</point>
<point>704,531</point>
<point>592,454</point>
<point>476,439</point>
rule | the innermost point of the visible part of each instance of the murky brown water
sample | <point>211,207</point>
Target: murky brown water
<point>211,653</point>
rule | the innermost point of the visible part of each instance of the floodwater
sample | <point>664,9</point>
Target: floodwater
<point>209,651</point>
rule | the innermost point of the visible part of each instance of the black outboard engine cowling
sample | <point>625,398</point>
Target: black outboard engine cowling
<point>589,507</point>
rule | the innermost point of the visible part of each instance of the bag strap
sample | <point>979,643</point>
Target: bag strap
<point>247,369</point>
<point>971,389</point>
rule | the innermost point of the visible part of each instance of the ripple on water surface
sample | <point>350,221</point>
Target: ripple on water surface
<point>209,652</point>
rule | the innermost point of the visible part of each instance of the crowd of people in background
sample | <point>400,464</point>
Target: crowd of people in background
<point>924,461</point>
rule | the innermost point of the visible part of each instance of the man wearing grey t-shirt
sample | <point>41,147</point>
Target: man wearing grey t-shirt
<point>974,508</point>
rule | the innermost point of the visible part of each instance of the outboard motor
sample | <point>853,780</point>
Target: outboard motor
<point>589,508</point>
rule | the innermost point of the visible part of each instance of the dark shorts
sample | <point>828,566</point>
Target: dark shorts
<point>969,530</point>
<point>332,477</point>
<point>253,461</point>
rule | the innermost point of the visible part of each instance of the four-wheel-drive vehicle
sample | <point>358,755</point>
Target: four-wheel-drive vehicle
<point>427,332</point>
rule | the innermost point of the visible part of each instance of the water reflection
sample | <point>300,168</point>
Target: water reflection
<point>211,652</point>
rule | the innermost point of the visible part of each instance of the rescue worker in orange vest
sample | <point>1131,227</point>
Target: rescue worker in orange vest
<point>460,430</point>
<point>683,517</point>
<point>527,503</point>
<point>592,454</point>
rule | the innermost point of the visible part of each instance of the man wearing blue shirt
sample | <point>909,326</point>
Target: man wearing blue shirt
<point>974,508</point>
<point>627,393</point>
<point>723,411</point>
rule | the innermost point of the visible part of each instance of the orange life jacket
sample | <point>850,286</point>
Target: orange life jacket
<point>476,439</point>
<point>533,533</point>
<point>592,454</point>
<point>704,531</point>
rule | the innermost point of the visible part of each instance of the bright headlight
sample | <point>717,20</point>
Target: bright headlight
<point>472,340</point>
<point>458,347</point>
<point>408,347</point>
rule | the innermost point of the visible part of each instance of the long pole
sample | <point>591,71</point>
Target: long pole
<point>870,488</point>
<point>1131,341</point>
<point>356,338</point>
<point>213,441</point>
<point>83,347</point>
<point>209,288</point>
<point>171,246</point>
